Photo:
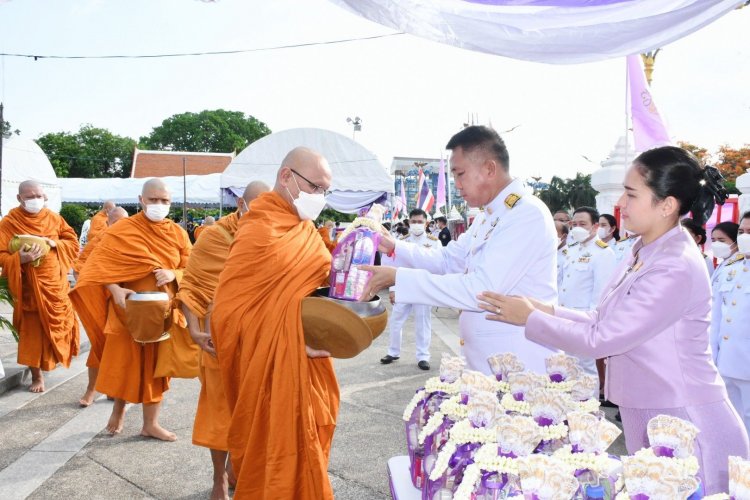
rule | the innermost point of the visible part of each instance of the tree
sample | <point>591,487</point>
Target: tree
<point>564,194</point>
<point>7,130</point>
<point>556,195</point>
<point>91,152</point>
<point>733,162</point>
<point>75,215</point>
<point>217,131</point>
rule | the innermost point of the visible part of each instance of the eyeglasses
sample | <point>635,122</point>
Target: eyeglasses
<point>316,189</point>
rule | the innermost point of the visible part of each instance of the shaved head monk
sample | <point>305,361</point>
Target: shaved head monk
<point>42,313</point>
<point>196,294</point>
<point>145,252</point>
<point>96,336</point>
<point>283,396</point>
<point>99,221</point>
<point>207,222</point>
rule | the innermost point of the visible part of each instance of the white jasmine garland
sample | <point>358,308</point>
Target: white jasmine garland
<point>717,496</point>
<point>419,396</point>
<point>442,460</point>
<point>488,459</point>
<point>453,408</point>
<point>463,432</point>
<point>510,404</point>
<point>601,463</point>
<point>434,384</point>
<point>433,424</point>
<point>589,406</point>
<point>503,386</point>
<point>472,474</point>
<point>563,386</point>
<point>557,431</point>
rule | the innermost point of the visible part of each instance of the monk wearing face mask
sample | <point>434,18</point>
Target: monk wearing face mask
<point>37,278</point>
<point>283,395</point>
<point>143,253</point>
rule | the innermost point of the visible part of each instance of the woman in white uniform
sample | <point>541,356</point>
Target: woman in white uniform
<point>698,233</point>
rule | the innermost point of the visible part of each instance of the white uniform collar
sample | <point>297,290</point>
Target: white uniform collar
<point>497,205</point>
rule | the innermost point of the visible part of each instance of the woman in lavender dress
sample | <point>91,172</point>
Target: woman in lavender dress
<point>652,323</point>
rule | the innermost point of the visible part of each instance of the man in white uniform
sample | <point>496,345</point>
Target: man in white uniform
<point>562,248</point>
<point>509,248</point>
<point>399,315</point>
<point>588,267</point>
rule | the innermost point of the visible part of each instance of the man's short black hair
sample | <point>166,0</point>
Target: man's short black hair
<point>484,138</point>
<point>593,213</point>
<point>441,220</point>
<point>417,212</point>
<point>746,215</point>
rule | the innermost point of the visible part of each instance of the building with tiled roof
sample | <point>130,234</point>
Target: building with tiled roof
<point>169,163</point>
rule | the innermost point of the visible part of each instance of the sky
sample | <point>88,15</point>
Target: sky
<point>411,94</point>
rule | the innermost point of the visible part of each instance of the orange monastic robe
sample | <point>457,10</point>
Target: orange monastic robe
<point>197,289</point>
<point>127,254</point>
<point>98,225</point>
<point>326,235</point>
<point>284,404</point>
<point>42,312</point>
<point>197,232</point>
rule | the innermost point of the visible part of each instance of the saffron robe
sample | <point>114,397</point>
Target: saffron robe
<point>283,404</point>
<point>127,254</point>
<point>42,313</point>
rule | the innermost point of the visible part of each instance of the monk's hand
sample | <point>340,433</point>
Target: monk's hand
<point>164,276</point>
<point>387,241</point>
<point>204,341</point>
<point>33,253</point>
<point>119,294</point>
<point>382,277</point>
<point>506,308</point>
<point>392,297</point>
<point>316,353</point>
<point>52,243</point>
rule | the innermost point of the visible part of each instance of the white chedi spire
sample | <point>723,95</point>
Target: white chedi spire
<point>609,178</point>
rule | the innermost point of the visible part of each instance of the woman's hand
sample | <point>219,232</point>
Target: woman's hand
<point>382,277</point>
<point>506,308</point>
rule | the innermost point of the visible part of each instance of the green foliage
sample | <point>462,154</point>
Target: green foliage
<point>217,131</point>
<point>564,194</point>
<point>90,153</point>
<point>7,130</point>
<point>335,216</point>
<point>75,215</point>
<point>7,298</point>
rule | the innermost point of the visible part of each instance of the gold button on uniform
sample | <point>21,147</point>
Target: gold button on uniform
<point>734,302</point>
<point>729,320</point>
<point>461,342</point>
<point>726,337</point>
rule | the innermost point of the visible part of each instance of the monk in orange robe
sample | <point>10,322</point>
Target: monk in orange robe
<point>42,313</point>
<point>283,395</point>
<point>207,222</point>
<point>196,294</point>
<point>325,233</point>
<point>99,221</point>
<point>145,252</point>
<point>96,335</point>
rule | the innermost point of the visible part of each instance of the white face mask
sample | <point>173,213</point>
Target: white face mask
<point>602,233</point>
<point>579,234</point>
<point>416,229</point>
<point>157,212</point>
<point>308,205</point>
<point>721,250</point>
<point>34,205</point>
<point>743,243</point>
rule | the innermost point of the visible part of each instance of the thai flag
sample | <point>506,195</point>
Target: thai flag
<point>399,204</point>
<point>425,199</point>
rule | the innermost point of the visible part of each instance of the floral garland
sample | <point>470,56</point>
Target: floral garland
<point>433,424</point>
<point>453,408</point>
<point>461,433</point>
<point>472,474</point>
<point>503,386</point>
<point>510,404</point>
<point>419,396</point>
<point>488,459</point>
<point>599,463</point>
<point>689,466</point>
<point>717,496</point>
<point>563,386</point>
<point>557,431</point>
<point>589,406</point>
<point>434,384</point>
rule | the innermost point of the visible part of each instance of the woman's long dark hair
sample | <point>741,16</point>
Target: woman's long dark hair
<point>612,222</point>
<point>672,171</point>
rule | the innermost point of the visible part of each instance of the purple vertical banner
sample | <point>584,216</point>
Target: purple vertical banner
<point>649,130</point>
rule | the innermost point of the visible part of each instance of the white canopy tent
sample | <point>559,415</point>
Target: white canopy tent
<point>24,160</point>
<point>359,178</point>
<point>201,190</point>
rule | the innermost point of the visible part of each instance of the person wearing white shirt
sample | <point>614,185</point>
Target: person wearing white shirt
<point>698,234</point>
<point>730,317</point>
<point>587,269</point>
<point>724,247</point>
<point>400,313</point>
<point>510,247</point>
<point>562,248</point>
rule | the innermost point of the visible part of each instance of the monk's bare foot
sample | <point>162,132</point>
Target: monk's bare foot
<point>220,490</point>
<point>116,422</point>
<point>231,479</point>
<point>37,385</point>
<point>87,399</point>
<point>156,431</point>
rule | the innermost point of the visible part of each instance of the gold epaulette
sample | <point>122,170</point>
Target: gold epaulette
<point>601,244</point>
<point>431,237</point>
<point>511,200</point>
<point>737,257</point>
